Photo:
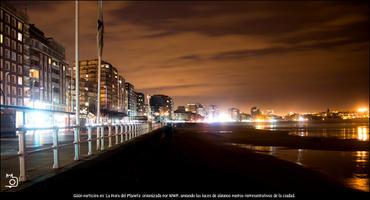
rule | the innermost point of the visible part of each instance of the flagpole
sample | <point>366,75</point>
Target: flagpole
<point>77,87</point>
<point>99,48</point>
<point>99,63</point>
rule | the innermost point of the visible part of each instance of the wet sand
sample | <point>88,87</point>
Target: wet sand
<point>192,161</point>
<point>248,135</point>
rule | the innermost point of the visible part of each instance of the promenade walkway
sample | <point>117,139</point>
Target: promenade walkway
<point>192,161</point>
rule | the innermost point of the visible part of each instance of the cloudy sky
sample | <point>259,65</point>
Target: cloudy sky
<point>286,56</point>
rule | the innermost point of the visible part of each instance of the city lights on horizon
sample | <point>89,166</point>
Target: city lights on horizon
<point>362,110</point>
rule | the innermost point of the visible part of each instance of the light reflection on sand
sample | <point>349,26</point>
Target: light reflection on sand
<point>358,131</point>
<point>349,167</point>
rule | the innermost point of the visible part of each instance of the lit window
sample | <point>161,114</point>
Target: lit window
<point>1,38</point>
<point>20,80</point>
<point>19,26</point>
<point>19,37</point>
<point>49,61</point>
<point>34,73</point>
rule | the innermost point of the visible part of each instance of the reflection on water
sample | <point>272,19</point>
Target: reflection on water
<point>362,133</point>
<point>353,170</point>
<point>359,131</point>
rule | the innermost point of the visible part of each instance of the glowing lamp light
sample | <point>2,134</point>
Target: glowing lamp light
<point>301,119</point>
<point>259,120</point>
<point>362,110</point>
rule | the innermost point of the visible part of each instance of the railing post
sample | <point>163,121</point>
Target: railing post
<point>22,155</point>
<point>125,131</point>
<point>76,143</point>
<point>138,129</point>
<point>98,138</point>
<point>109,135</point>
<point>116,129</point>
<point>89,141</point>
<point>130,131</point>
<point>102,138</point>
<point>135,130</point>
<point>55,148</point>
<point>122,133</point>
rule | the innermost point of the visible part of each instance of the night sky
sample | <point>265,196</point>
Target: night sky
<point>285,56</point>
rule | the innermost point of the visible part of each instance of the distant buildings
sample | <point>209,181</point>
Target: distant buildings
<point>182,115</point>
<point>234,114</point>
<point>244,117</point>
<point>181,108</point>
<point>112,88</point>
<point>130,99</point>
<point>196,108</point>
<point>140,104</point>
<point>255,112</point>
<point>191,107</point>
<point>161,107</point>
<point>213,113</point>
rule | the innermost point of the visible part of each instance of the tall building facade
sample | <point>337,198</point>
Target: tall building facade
<point>140,104</point>
<point>191,107</point>
<point>112,90</point>
<point>130,99</point>
<point>234,114</point>
<point>212,112</point>
<point>49,74</point>
<point>196,108</point>
<point>14,59</point>
<point>34,71</point>
<point>255,112</point>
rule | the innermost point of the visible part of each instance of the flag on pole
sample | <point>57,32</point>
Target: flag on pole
<point>100,28</point>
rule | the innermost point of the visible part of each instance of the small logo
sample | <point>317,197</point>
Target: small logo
<point>13,181</point>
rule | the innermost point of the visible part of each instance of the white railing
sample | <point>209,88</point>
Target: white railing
<point>121,133</point>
